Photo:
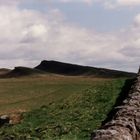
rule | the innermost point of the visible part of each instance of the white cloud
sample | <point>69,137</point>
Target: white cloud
<point>76,1</point>
<point>28,36</point>
<point>128,2</point>
<point>114,4</point>
<point>10,2</point>
<point>137,20</point>
<point>111,4</point>
<point>108,3</point>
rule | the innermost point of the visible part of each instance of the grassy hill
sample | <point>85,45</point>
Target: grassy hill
<point>55,67</point>
<point>58,107</point>
<point>73,69</point>
<point>21,71</point>
<point>4,71</point>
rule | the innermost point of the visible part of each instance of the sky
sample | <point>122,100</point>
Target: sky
<point>99,33</point>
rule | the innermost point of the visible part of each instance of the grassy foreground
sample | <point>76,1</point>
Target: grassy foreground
<point>60,108</point>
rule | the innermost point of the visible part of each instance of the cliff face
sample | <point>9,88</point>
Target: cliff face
<point>125,124</point>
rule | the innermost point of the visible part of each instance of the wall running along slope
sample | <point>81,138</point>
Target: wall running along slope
<point>125,124</point>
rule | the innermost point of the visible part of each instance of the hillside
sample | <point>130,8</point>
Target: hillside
<point>55,67</point>
<point>21,71</point>
<point>74,70</point>
<point>4,71</point>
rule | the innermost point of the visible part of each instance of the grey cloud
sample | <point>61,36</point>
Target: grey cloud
<point>131,51</point>
<point>32,36</point>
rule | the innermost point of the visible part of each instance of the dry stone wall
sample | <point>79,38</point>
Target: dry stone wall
<point>125,124</point>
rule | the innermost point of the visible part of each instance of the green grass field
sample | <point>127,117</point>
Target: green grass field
<point>59,107</point>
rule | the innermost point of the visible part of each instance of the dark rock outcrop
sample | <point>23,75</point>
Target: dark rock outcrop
<point>125,124</point>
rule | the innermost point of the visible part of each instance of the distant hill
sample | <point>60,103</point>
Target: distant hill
<point>22,71</point>
<point>56,67</point>
<point>76,70</point>
<point>4,71</point>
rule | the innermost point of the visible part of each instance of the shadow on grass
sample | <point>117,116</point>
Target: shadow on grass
<point>122,96</point>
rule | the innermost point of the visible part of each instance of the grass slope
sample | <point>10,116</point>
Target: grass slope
<point>69,108</point>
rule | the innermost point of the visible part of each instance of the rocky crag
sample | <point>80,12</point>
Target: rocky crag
<point>125,124</point>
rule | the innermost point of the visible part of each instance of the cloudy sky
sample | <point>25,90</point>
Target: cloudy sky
<point>101,33</point>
